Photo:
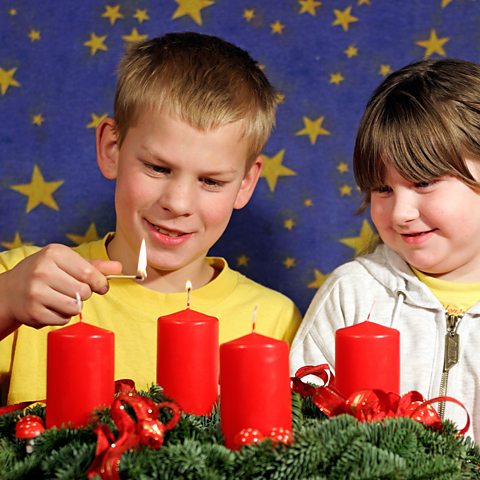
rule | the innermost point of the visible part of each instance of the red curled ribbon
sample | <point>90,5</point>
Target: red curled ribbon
<point>146,430</point>
<point>369,405</point>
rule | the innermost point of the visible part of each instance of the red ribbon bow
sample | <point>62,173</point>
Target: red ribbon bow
<point>147,430</point>
<point>369,405</point>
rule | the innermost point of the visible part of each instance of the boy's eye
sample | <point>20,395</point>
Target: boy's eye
<point>211,183</point>
<point>157,168</point>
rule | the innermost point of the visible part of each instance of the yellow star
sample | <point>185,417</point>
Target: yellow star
<point>12,12</point>
<point>289,262</point>
<point>90,235</point>
<point>345,190</point>
<point>319,279</point>
<point>17,242</point>
<point>351,51</point>
<point>34,35</point>
<point>446,2</point>
<point>313,128</point>
<point>342,167</point>
<point>141,15</point>
<point>192,8</point>
<point>433,44</point>
<point>385,70</point>
<point>277,27</point>
<point>309,6</point>
<point>96,43</point>
<point>308,202</point>
<point>280,97</point>
<point>7,80</point>
<point>249,14</point>
<point>96,120</point>
<point>273,168</point>
<point>242,261</point>
<point>289,223</point>
<point>363,242</point>
<point>336,78</point>
<point>38,119</point>
<point>112,13</point>
<point>134,37</point>
<point>344,18</point>
<point>38,191</point>
<point>363,2</point>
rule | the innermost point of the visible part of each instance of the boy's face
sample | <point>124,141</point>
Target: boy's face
<point>435,227</point>
<point>176,187</point>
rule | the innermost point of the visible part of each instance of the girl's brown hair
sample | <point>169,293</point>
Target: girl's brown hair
<point>424,120</point>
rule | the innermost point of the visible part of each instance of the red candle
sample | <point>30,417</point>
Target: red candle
<point>80,373</point>
<point>187,360</point>
<point>367,357</point>
<point>254,386</point>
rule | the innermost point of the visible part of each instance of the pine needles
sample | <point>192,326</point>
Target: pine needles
<point>338,448</point>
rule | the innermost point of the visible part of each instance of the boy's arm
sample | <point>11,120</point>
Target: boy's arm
<point>40,290</point>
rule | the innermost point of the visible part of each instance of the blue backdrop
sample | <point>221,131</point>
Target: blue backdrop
<point>57,64</point>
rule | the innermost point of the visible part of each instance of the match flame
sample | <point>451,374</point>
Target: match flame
<point>142,262</point>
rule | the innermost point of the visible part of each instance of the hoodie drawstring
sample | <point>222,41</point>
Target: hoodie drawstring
<point>398,306</point>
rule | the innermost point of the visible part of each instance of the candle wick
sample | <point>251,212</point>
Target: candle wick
<point>370,312</point>
<point>189,289</point>
<point>254,318</point>
<point>79,303</point>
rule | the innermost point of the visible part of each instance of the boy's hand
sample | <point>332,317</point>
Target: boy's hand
<point>40,290</point>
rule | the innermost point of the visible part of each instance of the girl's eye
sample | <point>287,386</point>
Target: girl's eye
<point>424,184</point>
<point>382,189</point>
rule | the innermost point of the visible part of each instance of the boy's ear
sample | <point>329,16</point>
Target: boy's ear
<point>249,183</point>
<point>107,148</point>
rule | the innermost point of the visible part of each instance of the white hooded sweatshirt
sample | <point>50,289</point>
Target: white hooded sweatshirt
<point>401,301</point>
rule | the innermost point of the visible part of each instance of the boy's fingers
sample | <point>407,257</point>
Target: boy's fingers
<point>57,309</point>
<point>107,267</point>
<point>85,275</point>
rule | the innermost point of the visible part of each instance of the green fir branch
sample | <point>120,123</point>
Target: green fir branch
<point>336,448</point>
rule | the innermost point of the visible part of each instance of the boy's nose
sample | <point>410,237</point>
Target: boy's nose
<point>178,197</point>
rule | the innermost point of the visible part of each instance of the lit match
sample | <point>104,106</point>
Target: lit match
<point>141,267</point>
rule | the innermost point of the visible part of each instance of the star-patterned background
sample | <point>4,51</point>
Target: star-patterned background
<point>57,75</point>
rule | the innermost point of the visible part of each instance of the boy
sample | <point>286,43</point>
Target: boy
<point>417,161</point>
<point>191,116</point>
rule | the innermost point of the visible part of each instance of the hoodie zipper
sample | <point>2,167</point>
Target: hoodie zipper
<point>450,358</point>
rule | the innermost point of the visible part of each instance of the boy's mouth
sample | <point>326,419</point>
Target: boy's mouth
<point>165,231</point>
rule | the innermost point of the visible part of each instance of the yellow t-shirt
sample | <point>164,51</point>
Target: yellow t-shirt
<point>456,297</point>
<point>130,310</point>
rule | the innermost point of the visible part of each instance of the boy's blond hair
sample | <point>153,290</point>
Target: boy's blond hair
<point>424,120</point>
<point>200,79</point>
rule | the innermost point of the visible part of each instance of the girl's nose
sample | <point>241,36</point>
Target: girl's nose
<point>404,208</point>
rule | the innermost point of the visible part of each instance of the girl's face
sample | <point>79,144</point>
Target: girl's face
<point>434,226</point>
